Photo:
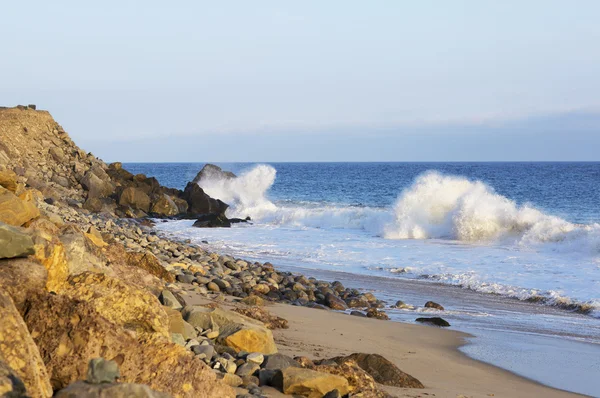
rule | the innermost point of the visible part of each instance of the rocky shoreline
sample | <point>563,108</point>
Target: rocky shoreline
<point>93,301</point>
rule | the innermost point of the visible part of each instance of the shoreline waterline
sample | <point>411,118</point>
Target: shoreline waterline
<point>486,319</point>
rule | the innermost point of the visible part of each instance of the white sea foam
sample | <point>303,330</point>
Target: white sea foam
<point>435,206</point>
<point>449,207</point>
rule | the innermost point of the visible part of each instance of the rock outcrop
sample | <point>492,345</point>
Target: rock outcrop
<point>68,346</point>
<point>19,352</point>
<point>213,172</point>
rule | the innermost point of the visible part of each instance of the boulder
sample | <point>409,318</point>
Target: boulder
<point>97,186</point>
<point>437,321</point>
<point>15,211</point>
<point>309,383</point>
<point>432,304</point>
<point>383,371</point>
<point>213,172</point>
<point>334,302</point>
<point>22,279</point>
<point>93,204</point>
<point>19,351</point>
<point>135,198</point>
<point>57,154</point>
<point>165,206</point>
<point>279,361</point>
<point>236,331</point>
<point>148,261</point>
<point>119,302</point>
<point>168,299</point>
<point>200,203</point>
<point>8,180</point>
<point>82,389</point>
<point>83,333</point>
<point>14,242</point>
<point>212,220</point>
<point>361,383</point>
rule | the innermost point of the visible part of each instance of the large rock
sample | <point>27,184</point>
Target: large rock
<point>82,389</point>
<point>22,279</point>
<point>309,383</point>
<point>19,351</point>
<point>361,383</point>
<point>8,180</point>
<point>14,242</point>
<point>14,210</point>
<point>212,172</point>
<point>119,302</point>
<point>236,331</point>
<point>50,252</point>
<point>165,206</point>
<point>97,186</point>
<point>200,203</point>
<point>382,370</point>
<point>135,198</point>
<point>148,261</point>
<point>82,334</point>
<point>212,220</point>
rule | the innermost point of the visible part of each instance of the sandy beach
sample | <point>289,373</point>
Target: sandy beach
<point>428,353</point>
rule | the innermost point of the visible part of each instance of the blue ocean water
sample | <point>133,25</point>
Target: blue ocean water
<point>565,189</point>
<point>523,230</point>
<point>484,239</point>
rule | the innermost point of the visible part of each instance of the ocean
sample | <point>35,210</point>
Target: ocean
<point>505,247</point>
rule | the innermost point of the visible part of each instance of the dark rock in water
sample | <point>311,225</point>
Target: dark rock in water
<point>213,220</point>
<point>239,220</point>
<point>212,172</point>
<point>200,203</point>
<point>431,304</point>
<point>437,321</point>
<point>383,371</point>
<point>374,313</point>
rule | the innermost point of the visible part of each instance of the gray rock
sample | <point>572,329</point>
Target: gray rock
<point>14,242</point>
<point>255,357</point>
<point>204,351</point>
<point>247,369</point>
<point>437,321</point>
<point>168,299</point>
<point>279,361</point>
<point>101,371</point>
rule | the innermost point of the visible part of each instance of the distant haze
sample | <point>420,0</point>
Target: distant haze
<point>311,80</point>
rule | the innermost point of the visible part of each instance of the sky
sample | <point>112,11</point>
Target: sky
<point>336,80</point>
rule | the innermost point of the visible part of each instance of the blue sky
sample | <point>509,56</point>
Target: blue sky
<point>311,80</point>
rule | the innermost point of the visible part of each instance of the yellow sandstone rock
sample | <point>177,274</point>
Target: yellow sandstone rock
<point>310,383</point>
<point>70,332</point>
<point>15,211</point>
<point>123,304</point>
<point>18,350</point>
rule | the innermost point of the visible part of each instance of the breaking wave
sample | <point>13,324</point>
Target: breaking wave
<point>435,206</point>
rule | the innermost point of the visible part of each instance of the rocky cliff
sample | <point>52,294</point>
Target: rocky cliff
<point>93,301</point>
